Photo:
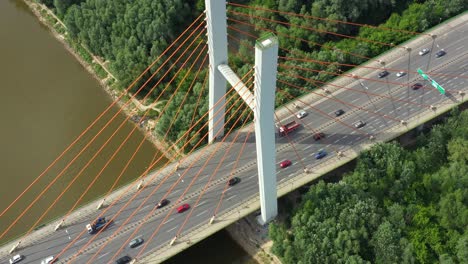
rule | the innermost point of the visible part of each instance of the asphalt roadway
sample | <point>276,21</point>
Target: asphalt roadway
<point>394,103</point>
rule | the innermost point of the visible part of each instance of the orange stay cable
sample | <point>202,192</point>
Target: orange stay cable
<point>146,171</point>
<point>180,197</point>
<point>320,111</point>
<point>348,104</point>
<point>296,38</point>
<point>149,196</point>
<point>232,172</point>
<point>313,29</point>
<point>326,19</point>
<point>354,90</point>
<point>98,118</point>
<point>141,143</point>
<point>89,143</point>
<point>205,188</point>
<point>291,142</point>
<point>374,68</point>
<point>130,187</point>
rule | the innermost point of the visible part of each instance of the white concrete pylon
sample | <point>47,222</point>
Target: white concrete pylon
<point>217,45</point>
<point>266,61</point>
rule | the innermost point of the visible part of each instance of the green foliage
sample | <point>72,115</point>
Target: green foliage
<point>389,209</point>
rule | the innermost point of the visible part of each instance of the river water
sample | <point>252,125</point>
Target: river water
<point>48,100</point>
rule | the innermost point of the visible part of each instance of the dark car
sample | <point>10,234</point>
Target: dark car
<point>383,74</point>
<point>440,53</point>
<point>359,124</point>
<point>339,112</point>
<point>322,153</point>
<point>162,203</point>
<point>285,163</point>
<point>123,260</point>
<point>318,136</point>
<point>183,208</point>
<point>416,86</point>
<point>234,181</point>
<point>136,242</point>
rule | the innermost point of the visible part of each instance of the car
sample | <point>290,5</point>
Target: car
<point>234,181</point>
<point>49,259</point>
<point>285,163</point>
<point>318,136</point>
<point>183,208</point>
<point>424,52</point>
<point>16,259</point>
<point>136,242</point>
<point>320,154</point>
<point>301,114</point>
<point>416,86</point>
<point>339,112</point>
<point>359,124</point>
<point>123,260</point>
<point>383,74</point>
<point>440,53</point>
<point>162,203</point>
<point>400,74</point>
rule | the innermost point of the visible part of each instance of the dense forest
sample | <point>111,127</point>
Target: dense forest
<point>130,34</point>
<point>397,206</point>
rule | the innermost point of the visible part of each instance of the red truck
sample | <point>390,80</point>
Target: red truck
<point>288,128</point>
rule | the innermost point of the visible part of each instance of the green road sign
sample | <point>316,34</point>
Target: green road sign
<point>433,83</point>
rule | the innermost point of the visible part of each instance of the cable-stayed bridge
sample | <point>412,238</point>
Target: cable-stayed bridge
<point>387,106</point>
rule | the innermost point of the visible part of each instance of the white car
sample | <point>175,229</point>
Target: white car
<point>16,259</point>
<point>400,74</point>
<point>48,260</point>
<point>301,114</point>
<point>424,52</point>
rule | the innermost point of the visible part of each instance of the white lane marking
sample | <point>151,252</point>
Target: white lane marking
<point>176,191</point>
<point>311,154</point>
<point>77,242</point>
<point>202,212</point>
<point>170,219</point>
<point>290,174</point>
<point>372,130</point>
<point>171,229</point>
<point>200,204</point>
<point>232,197</point>
<point>144,207</point>
<point>344,137</point>
<point>308,147</point>
<point>461,47</point>
<point>230,163</point>
<point>251,177</point>
<point>203,177</point>
<point>352,101</point>
<point>103,255</point>
<point>336,141</point>
<point>381,126</point>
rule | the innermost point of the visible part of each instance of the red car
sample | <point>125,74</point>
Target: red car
<point>318,136</point>
<point>285,163</point>
<point>183,208</point>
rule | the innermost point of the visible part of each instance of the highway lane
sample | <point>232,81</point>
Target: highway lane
<point>249,188</point>
<point>335,131</point>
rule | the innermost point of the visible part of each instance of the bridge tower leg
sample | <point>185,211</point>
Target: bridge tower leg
<point>217,49</point>
<point>266,57</point>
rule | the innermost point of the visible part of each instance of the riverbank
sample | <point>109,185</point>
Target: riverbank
<point>98,69</point>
